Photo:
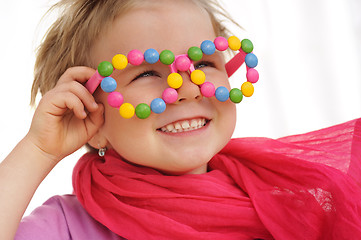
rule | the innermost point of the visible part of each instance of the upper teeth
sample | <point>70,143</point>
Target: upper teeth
<point>183,126</point>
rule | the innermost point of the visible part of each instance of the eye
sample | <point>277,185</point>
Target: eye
<point>144,74</point>
<point>204,64</point>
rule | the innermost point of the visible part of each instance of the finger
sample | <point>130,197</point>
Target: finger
<point>64,101</point>
<point>80,74</point>
<point>81,92</point>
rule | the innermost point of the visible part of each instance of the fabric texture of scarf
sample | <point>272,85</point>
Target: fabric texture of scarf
<point>298,187</point>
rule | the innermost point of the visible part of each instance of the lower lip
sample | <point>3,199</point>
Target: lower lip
<point>187,133</point>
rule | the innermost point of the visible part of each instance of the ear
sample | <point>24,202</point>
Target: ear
<point>98,141</point>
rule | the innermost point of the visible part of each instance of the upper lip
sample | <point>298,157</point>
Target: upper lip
<point>183,112</point>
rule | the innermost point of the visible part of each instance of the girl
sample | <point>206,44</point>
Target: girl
<point>156,184</point>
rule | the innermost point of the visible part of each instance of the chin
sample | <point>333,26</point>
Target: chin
<point>191,162</point>
<point>197,170</point>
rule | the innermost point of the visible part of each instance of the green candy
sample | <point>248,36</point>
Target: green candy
<point>247,45</point>
<point>105,69</point>
<point>195,53</point>
<point>166,57</point>
<point>142,111</point>
<point>236,95</point>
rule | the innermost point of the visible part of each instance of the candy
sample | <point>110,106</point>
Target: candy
<point>234,43</point>
<point>221,43</point>
<point>108,84</point>
<point>222,94</point>
<point>208,89</point>
<point>115,99</point>
<point>105,68</point>
<point>179,63</point>
<point>195,53</point>
<point>119,61</point>
<point>126,110</point>
<point>142,111</point>
<point>247,89</point>
<point>247,45</point>
<point>175,80</point>
<point>166,57</point>
<point>182,63</point>
<point>151,56</point>
<point>251,60</point>
<point>252,75</point>
<point>236,95</point>
<point>135,57</point>
<point>157,105</point>
<point>208,47</point>
<point>198,77</point>
<point>170,95</point>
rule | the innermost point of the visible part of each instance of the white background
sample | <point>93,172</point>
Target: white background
<point>309,63</point>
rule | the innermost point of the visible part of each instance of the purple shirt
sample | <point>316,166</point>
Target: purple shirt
<point>62,217</point>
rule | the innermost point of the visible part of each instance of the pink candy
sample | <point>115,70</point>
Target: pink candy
<point>182,63</point>
<point>170,95</point>
<point>135,57</point>
<point>115,99</point>
<point>208,89</point>
<point>221,43</point>
<point>252,75</point>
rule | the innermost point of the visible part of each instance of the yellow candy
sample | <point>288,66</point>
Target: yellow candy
<point>234,43</point>
<point>247,89</point>
<point>175,80</point>
<point>119,61</point>
<point>126,110</point>
<point>198,77</point>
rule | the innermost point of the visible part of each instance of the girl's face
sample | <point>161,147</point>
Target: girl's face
<point>173,25</point>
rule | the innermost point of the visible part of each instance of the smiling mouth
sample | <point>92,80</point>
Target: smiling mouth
<point>184,125</point>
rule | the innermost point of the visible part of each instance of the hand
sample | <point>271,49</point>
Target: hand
<point>67,116</point>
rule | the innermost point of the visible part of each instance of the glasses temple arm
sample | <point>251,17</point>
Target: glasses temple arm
<point>235,63</point>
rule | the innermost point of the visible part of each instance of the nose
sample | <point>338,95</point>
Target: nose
<point>188,91</point>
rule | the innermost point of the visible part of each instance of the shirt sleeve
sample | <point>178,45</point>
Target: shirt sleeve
<point>45,222</point>
<point>61,218</point>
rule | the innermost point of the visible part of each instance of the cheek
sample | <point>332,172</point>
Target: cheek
<point>226,111</point>
<point>144,90</point>
<point>127,136</point>
<point>227,118</point>
<point>217,77</point>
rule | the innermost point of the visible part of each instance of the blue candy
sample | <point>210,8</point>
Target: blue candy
<point>108,84</point>
<point>208,47</point>
<point>157,105</point>
<point>151,56</point>
<point>251,60</point>
<point>222,94</point>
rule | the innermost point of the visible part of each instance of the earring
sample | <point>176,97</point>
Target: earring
<point>101,152</point>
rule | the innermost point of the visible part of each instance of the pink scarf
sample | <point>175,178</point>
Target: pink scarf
<point>299,187</point>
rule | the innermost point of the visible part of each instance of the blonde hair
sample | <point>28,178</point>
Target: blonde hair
<point>68,40</point>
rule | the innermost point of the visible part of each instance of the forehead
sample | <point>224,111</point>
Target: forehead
<point>173,25</point>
